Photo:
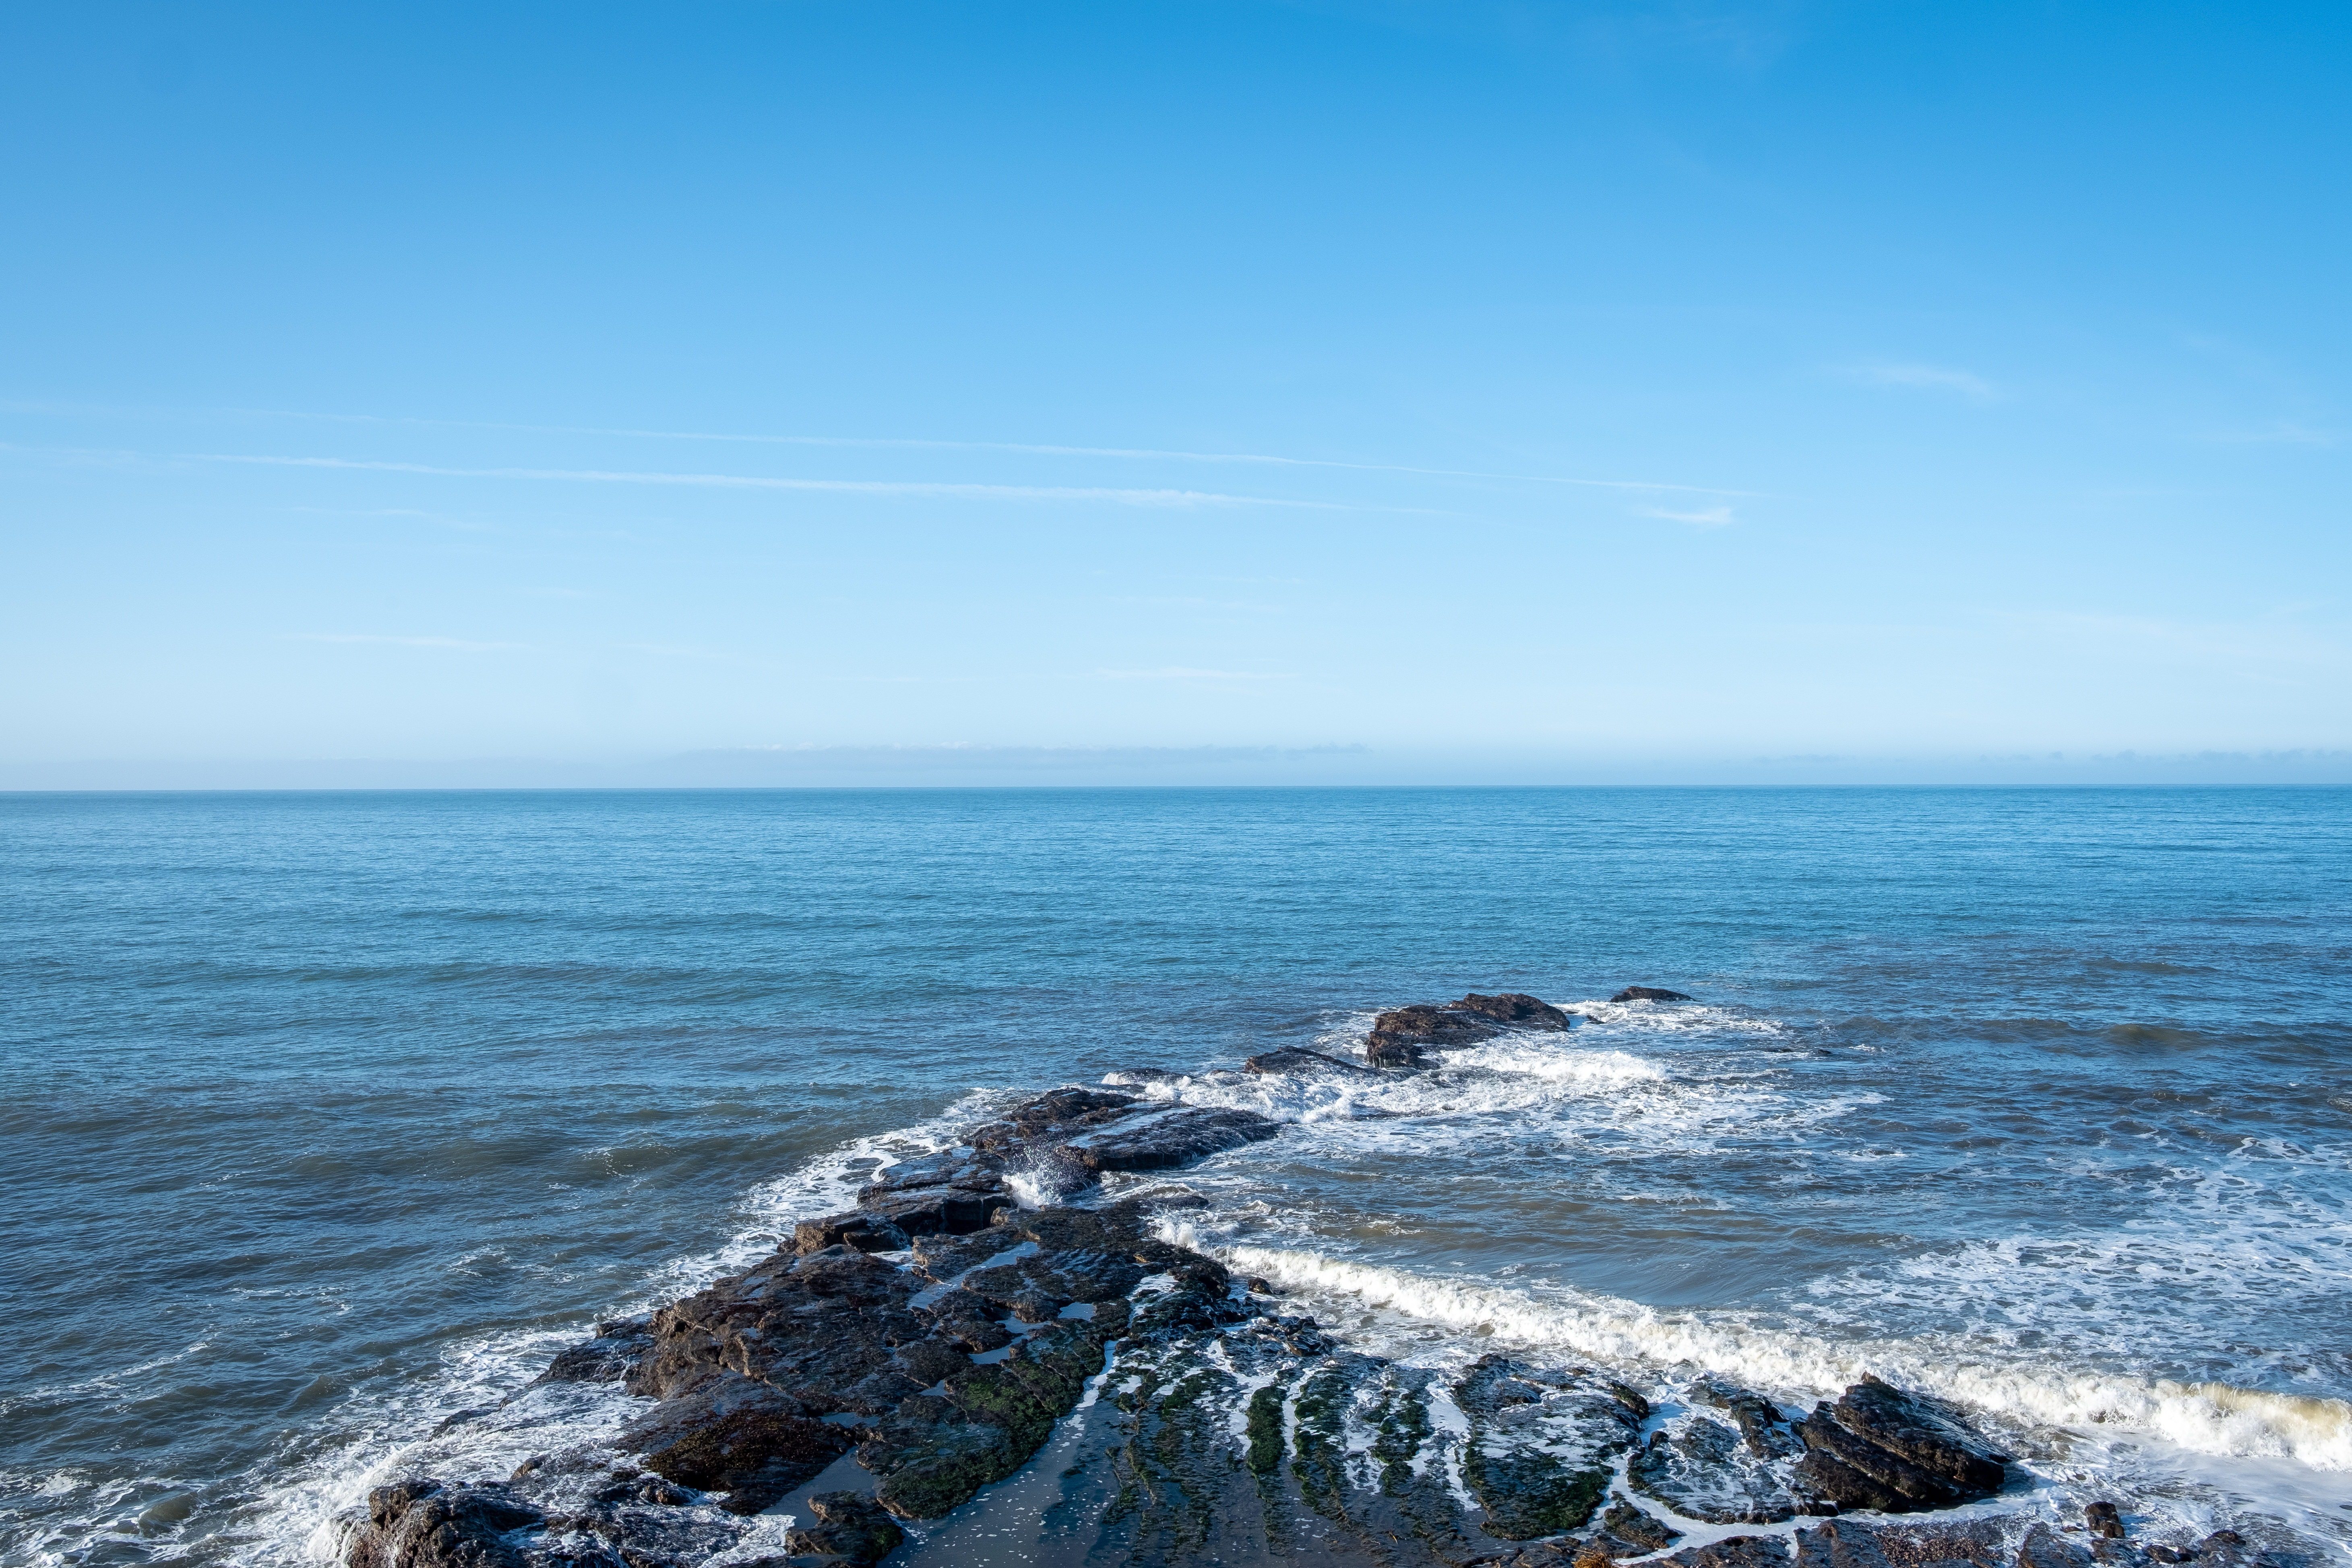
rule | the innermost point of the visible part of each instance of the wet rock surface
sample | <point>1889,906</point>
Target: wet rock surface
<point>1426,1027</point>
<point>849,1526</point>
<point>424,1524</point>
<point>1650,994</point>
<point>1878,1447</point>
<point>1720,1459</point>
<point>1135,1403</point>
<point>1515,1007</point>
<point>1402,1037</point>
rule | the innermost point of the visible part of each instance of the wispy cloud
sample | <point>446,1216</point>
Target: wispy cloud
<point>1159,498</point>
<point>1711,517</point>
<point>1184,672</point>
<point>911,443</point>
<point>1189,602</point>
<point>455,645</point>
<point>672,650</point>
<point>1031,449</point>
<point>1925,378</point>
<point>2288,434</point>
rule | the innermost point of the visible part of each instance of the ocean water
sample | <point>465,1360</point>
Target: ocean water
<point>328,1116</point>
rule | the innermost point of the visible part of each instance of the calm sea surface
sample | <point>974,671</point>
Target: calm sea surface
<point>326,1116</point>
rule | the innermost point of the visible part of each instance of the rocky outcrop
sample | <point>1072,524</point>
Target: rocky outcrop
<point>1167,1138</point>
<point>1059,1143</point>
<point>1400,1035</point>
<point>1650,994</point>
<point>1515,1007</point>
<point>1425,1027</point>
<point>889,1362</point>
<point>1879,1448</point>
<point>424,1524</point>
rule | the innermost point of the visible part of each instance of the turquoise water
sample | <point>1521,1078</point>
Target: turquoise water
<point>329,1115</point>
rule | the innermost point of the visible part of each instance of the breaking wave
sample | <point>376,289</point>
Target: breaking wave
<point>2206,1417</point>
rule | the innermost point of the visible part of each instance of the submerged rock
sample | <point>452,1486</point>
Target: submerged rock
<point>1879,1448</point>
<point>1542,1444</point>
<point>1699,1465</point>
<point>1650,994</point>
<point>1300,1063</point>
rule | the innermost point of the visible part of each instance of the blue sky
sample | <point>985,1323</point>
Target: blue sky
<point>986,393</point>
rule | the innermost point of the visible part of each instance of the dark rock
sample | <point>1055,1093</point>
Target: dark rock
<point>935,1451</point>
<point>1175,1137</point>
<point>1735,1552</point>
<point>735,1436</point>
<point>607,1358</point>
<point>1761,1425</point>
<point>819,1329</point>
<point>424,1524</point>
<point>1840,1543</point>
<point>1383,1052</point>
<point>970,1320</point>
<point>650,1491</point>
<point>2102,1519</point>
<point>1650,994</point>
<point>1300,1063</point>
<point>1879,1448</point>
<point>1625,1523</point>
<point>2045,1548</point>
<point>1055,1117</point>
<point>1700,1465</point>
<point>1542,1445</point>
<point>850,1525</point>
<point>973,1170</point>
<point>1428,1027</point>
<point>858,1229</point>
<point>1983,1543</point>
<point>1515,1007</point>
<point>940,1210</point>
<point>629,1534</point>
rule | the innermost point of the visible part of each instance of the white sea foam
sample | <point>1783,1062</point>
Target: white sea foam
<point>2206,1417</point>
<point>1517,1074</point>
